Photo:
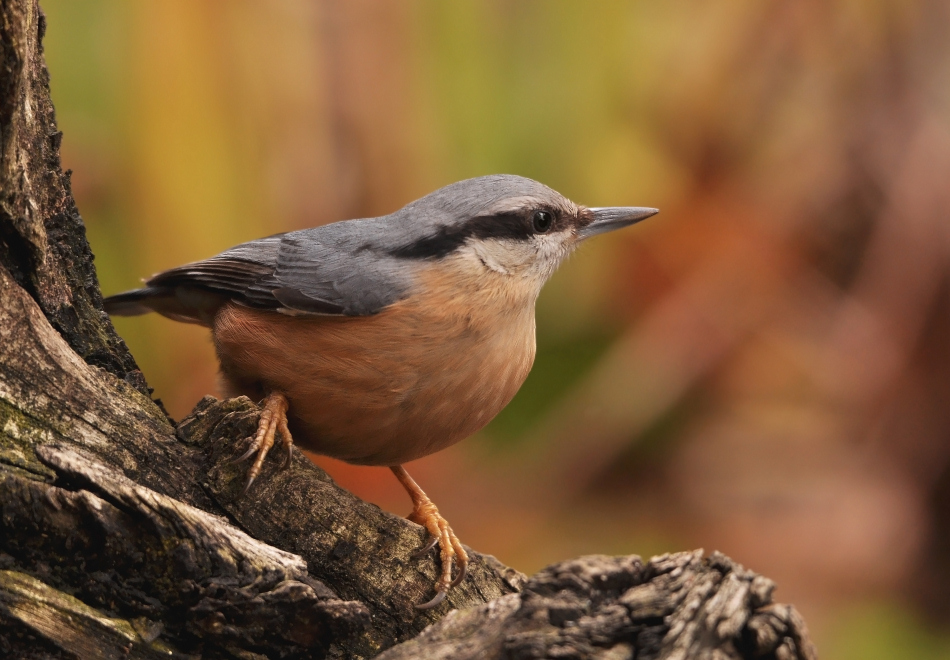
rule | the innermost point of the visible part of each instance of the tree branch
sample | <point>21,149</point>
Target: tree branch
<point>675,606</point>
<point>124,536</point>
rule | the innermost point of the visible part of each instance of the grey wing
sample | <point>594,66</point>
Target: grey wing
<point>338,267</point>
<point>231,274</point>
<point>322,271</point>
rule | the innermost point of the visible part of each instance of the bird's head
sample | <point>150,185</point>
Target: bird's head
<point>509,226</point>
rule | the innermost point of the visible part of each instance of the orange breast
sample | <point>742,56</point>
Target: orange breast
<point>386,389</point>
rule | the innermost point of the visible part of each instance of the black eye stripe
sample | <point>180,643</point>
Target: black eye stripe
<point>518,226</point>
<point>507,225</point>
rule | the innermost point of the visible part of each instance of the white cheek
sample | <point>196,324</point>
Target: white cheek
<point>493,255</point>
<point>508,257</point>
<point>535,259</point>
<point>550,250</point>
<point>550,247</point>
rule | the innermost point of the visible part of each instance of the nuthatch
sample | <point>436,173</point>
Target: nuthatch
<point>383,340</point>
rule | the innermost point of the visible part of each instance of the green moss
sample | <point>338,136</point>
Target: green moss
<point>19,434</point>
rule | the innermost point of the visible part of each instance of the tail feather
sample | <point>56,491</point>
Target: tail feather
<point>185,304</point>
<point>132,303</point>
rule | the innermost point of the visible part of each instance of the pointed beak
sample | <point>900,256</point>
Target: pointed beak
<point>609,218</point>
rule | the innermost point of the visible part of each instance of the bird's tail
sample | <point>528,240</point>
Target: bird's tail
<point>133,303</point>
<point>177,303</point>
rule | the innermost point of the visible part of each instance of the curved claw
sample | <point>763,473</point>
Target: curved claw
<point>246,455</point>
<point>463,571</point>
<point>288,458</point>
<point>247,486</point>
<point>425,550</point>
<point>435,602</point>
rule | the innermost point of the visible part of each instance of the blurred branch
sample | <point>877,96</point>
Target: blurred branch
<point>657,363</point>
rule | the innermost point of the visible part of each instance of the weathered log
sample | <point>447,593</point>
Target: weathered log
<point>124,536</point>
<point>172,570</point>
<point>617,608</point>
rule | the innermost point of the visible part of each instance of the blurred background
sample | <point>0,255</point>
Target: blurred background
<point>762,369</point>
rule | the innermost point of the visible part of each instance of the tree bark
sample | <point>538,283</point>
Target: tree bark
<point>123,535</point>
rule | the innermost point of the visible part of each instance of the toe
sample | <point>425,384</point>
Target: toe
<point>463,571</point>
<point>461,558</point>
<point>286,440</point>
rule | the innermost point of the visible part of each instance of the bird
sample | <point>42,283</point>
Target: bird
<point>378,341</point>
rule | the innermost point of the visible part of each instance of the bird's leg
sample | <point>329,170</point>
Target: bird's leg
<point>273,420</point>
<point>425,513</point>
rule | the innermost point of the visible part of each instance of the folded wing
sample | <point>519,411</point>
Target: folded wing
<point>323,271</point>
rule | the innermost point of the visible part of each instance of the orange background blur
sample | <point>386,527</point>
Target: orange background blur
<point>762,369</point>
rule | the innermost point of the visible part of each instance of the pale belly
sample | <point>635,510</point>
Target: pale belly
<point>378,390</point>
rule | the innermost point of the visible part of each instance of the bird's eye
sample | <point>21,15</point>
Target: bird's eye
<point>543,221</point>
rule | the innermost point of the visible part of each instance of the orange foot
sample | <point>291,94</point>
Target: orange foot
<point>425,513</point>
<point>273,419</point>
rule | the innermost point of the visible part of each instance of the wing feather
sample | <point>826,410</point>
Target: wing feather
<point>322,271</point>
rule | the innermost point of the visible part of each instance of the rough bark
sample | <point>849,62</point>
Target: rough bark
<point>188,576</point>
<point>122,535</point>
<point>618,608</point>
